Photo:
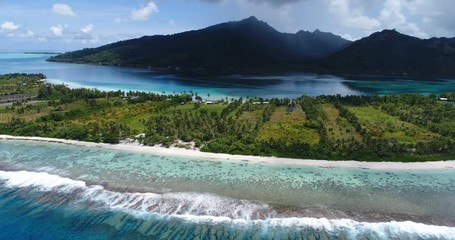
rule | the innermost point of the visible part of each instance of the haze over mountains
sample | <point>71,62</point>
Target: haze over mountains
<point>252,46</point>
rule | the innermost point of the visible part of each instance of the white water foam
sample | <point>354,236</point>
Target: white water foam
<point>168,203</point>
<point>206,208</point>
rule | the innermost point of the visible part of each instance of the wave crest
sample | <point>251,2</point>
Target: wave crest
<point>212,209</point>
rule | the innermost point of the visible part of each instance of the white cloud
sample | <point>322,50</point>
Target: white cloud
<point>144,12</point>
<point>57,30</point>
<point>28,34</point>
<point>63,9</point>
<point>172,23</point>
<point>87,29</point>
<point>9,26</point>
<point>392,14</point>
<point>348,36</point>
<point>352,17</point>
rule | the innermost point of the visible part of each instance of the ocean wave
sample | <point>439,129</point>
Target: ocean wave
<point>210,209</point>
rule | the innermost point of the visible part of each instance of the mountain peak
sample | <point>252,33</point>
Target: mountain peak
<point>389,34</point>
<point>251,19</point>
<point>390,52</point>
<point>226,47</point>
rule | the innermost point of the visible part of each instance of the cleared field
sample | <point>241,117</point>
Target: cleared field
<point>289,127</point>
<point>338,128</point>
<point>30,112</point>
<point>251,116</point>
<point>218,108</point>
<point>381,125</point>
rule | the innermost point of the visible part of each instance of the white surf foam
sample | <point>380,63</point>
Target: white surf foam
<point>169,203</point>
<point>207,208</point>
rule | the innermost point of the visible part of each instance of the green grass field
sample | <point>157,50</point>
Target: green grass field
<point>289,127</point>
<point>338,128</point>
<point>381,125</point>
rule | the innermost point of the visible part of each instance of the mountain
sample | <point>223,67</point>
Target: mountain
<point>239,46</point>
<point>391,53</point>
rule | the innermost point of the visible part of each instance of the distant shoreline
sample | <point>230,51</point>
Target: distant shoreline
<point>157,150</point>
<point>49,53</point>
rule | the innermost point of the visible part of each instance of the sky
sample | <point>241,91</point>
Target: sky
<point>54,25</point>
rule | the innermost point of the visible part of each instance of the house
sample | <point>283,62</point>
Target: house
<point>208,102</point>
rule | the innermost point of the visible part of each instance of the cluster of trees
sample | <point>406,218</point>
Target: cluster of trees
<point>198,126</point>
<point>19,83</point>
<point>413,108</point>
<point>225,131</point>
<point>65,94</point>
<point>424,111</point>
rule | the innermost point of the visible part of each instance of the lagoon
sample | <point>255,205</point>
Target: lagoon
<point>279,86</point>
<point>57,191</point>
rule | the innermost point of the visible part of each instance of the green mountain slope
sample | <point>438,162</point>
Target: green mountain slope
<point>227,47</point>
<point>392,53</point>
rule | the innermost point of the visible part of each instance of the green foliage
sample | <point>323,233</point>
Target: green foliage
<point>20,83</point>
<point>406,127</point>
<point>245,46</point>
<point>392,53</point>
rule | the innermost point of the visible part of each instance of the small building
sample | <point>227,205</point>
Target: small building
<point>444,99</point>
<point>141,135</point>
<point>208,102</point>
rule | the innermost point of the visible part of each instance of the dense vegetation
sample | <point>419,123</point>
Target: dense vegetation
<point>245,46</point>
<point>252,46</point>
<point>20,83</point>
<point>392,53</point>
<point>406,127</point>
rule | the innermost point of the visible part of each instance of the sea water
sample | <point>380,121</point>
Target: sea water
<point>57,191</point>
<point>267,86</point>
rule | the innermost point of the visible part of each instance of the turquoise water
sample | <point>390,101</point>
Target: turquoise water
<point>281,86</point>
<point>98,193</point>
<point>55,191</point>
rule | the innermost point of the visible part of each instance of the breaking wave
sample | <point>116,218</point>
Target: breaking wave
<point>212,210</point>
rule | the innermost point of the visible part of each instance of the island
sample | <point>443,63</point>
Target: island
<point>251,46</point>
<point>398,128</point>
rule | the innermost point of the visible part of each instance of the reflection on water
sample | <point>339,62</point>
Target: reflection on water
<point>280,86</point>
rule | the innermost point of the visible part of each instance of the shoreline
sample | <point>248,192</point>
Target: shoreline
<point>181,152</point>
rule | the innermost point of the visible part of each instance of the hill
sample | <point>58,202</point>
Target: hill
<point>391,53</point>
<point>240,46</point>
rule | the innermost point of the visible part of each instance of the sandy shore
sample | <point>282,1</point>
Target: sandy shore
<point>157,150</point>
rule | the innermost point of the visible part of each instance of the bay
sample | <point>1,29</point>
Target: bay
<point>104,194</point>
<point>267,86</point>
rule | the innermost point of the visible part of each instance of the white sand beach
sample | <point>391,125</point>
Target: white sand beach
<point>173,151</point>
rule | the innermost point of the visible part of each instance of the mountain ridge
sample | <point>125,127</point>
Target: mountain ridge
<point>222,48</point>
<point>253,46</point>
<point>392,53</point>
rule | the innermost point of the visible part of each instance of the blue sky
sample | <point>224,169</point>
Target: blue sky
<point>69,25</point>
